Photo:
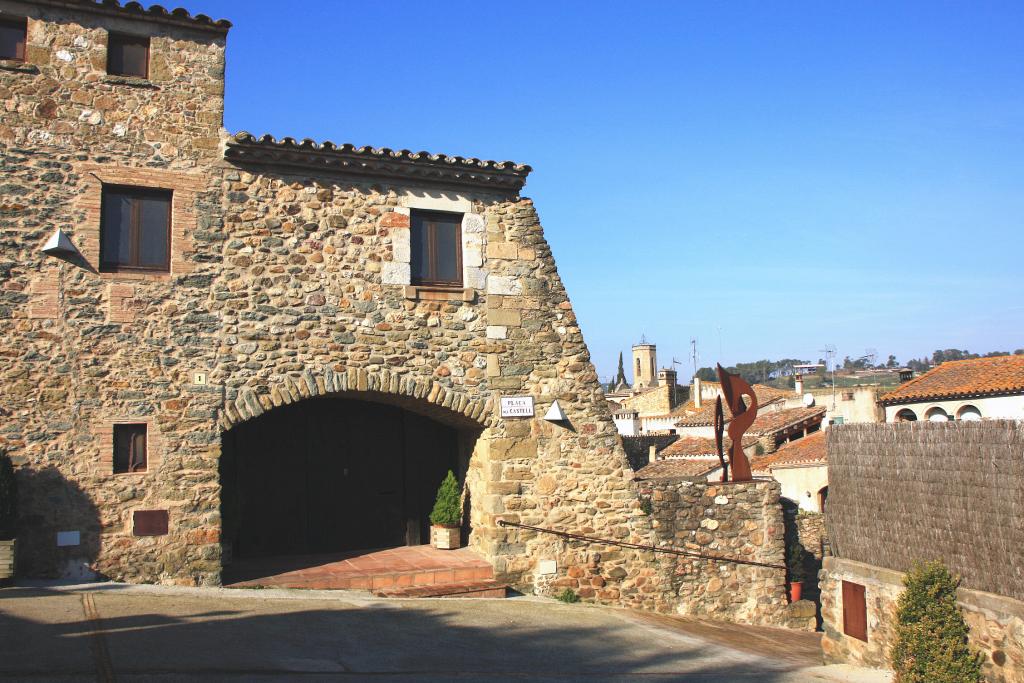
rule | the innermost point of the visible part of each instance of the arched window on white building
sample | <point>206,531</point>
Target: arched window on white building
<point>906,415</point>
<point>936,414</point>
<point>969,414</point>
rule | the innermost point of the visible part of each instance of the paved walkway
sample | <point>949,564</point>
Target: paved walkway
<point>418,565</point>
<point>107,632</point>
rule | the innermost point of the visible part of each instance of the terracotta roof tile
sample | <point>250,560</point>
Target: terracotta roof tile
<point>769,423</point>
<point>691,468</point>
<point>809,450</point>
<point>379,162</point>
<point>705,415</point>
<point>977,377</point>
<point>691,446</point>
<point>179,16</point>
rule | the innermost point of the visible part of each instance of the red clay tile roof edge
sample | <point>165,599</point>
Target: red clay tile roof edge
<point>957,386</point>
<point>134,10</point>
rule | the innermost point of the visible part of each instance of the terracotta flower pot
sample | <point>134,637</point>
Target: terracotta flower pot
<point>796,590</point>
<point>445,538</point>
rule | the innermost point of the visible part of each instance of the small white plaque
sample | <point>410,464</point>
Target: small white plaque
<point>545,567</point>
<point>517,406</point>
<point>68,538</point>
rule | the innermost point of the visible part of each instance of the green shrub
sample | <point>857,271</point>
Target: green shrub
<point>448,506</point>
<point>795,558</point>
<point>931,634</point>
<point>8,498</point>
<point>646,506</point>
<point>568,595</point>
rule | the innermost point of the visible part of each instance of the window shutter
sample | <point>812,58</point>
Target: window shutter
<point>855,616</point>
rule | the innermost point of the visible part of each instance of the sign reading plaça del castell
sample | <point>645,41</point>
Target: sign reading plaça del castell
<point>517,406</point>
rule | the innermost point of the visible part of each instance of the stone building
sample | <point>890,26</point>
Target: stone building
<point>222,346</point>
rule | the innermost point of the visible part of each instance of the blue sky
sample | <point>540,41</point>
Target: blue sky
<point>793,174</point>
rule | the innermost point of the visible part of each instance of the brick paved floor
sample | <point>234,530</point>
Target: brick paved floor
<point>420,565</point>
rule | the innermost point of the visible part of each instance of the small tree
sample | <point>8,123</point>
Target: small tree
<point>447,510</point>
<point>931,634</point>
<point>8,498</point>
<point>795,556</point>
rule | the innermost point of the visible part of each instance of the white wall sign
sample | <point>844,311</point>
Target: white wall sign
<point>517,406</point>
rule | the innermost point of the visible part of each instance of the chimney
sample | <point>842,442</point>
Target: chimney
<point>696,392</point>
<point>906,374</point>
<point>652,452</point>
<point>799,384</point>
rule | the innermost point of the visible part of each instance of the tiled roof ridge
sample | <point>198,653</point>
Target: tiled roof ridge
<point>178,15</point>
<point>809,451</point>
<point>377,161</point>
<point>906,391</point>
<point>801,413</point>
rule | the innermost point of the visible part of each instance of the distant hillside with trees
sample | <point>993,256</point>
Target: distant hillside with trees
<point>779,373</point>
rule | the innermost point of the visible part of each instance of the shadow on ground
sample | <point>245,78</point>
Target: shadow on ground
<point>46,632</point>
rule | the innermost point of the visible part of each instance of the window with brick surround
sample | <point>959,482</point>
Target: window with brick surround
<point>135,229</point>
<point>436,255</point>
<point>129,448</point>
<point>12,38</point>
<point>128,55</point>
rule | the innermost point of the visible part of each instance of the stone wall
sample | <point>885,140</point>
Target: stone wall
<point>810,531</point>
<point>86,349</point>
<point>653,401</point>
<point>996,623</point>
<point>736,520</point>
<point>289,280</point>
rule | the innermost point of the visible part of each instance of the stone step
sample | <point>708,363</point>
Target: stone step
<point>465,589</point>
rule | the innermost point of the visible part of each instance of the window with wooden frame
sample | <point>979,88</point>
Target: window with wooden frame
<point>436,241</point>
<point>129,448</point>
<point>13,32</point>
<point>128,55</point>
<point>135,229</point>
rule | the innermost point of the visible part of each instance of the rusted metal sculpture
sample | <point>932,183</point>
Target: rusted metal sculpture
<point>743,416</point>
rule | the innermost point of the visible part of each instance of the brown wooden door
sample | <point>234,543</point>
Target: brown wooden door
<point>855,617</point>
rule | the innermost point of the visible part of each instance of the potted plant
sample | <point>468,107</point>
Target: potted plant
<point>795,557</point>
<point>8,516</point>
<point>446,517</point>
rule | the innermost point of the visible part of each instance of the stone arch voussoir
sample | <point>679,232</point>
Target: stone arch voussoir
<point>314,382</point>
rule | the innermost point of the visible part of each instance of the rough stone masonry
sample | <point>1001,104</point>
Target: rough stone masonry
<point>289,278</point>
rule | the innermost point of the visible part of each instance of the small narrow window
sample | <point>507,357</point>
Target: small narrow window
<point>855,613</point>
<point>12,38</point>
<point>128,55</point>
<point>436,248</point>
<point>129,448</point>
<point>135,229</point>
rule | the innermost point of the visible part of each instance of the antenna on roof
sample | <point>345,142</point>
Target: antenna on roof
<point>643,338</point>
<point>694,356</point>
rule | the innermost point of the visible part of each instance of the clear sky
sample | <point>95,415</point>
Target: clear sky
<point>792,174</point>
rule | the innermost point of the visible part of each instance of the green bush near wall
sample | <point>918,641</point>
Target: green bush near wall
<point>931,634</point>
<point>447,510</point>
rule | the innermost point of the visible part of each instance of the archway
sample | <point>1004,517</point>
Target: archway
<point>336,473</point>
<point>936,414</point>
<point>906,415</point>
<point>969,413</point>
